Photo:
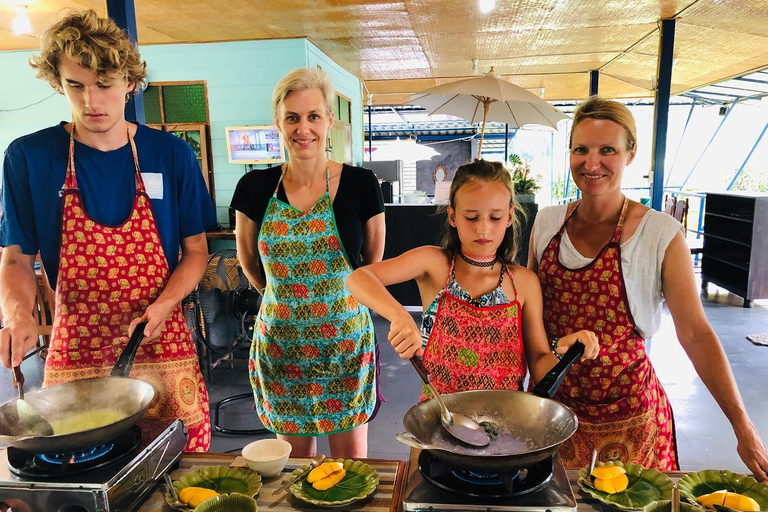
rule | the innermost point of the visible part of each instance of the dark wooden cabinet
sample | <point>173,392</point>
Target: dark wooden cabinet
<point>735,255</point>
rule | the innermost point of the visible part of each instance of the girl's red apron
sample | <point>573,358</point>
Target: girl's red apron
<point>472,347</point>
<point>623,411</point>
<point>108,275</point>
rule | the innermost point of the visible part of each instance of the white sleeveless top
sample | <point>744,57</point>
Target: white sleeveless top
<point>641,259</point>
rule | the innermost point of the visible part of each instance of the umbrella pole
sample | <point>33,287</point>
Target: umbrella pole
<point>486,107</point>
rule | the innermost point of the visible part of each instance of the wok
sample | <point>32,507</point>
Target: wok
<point>126,396</point>
<point>530,427</point>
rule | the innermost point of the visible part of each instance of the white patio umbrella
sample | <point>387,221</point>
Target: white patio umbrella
<point>403,150</point>
<point>493,98</point>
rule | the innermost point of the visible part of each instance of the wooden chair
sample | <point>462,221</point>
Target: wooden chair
<point>44,308</point>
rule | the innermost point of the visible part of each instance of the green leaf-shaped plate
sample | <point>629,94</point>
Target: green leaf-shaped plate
<point>645,487</point>
<point>704,482</point>
<point>666,506</point>
<point>221,479</point>
<point>360,481</point>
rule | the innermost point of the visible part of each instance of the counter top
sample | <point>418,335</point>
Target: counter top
<point>391,483</point>
<point>387,498</point>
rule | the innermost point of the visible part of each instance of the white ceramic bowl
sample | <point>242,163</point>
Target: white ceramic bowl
<point>267,456</point>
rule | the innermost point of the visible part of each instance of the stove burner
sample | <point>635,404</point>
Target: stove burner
<point>79,457</point>
<point>477,478</point>
<point>490,485</point>
<point>63,465</point>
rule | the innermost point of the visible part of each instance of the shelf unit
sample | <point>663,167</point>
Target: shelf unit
<point>735,254</point>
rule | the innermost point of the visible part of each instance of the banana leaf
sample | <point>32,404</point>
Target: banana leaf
<point>359,482</point>
<point>221,479</point>
<point>645,487</point>
<point>707,481</point>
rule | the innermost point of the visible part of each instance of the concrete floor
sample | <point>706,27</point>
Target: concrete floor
<point>705,437</point>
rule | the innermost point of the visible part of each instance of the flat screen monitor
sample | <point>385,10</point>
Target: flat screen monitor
<point>255,145</point>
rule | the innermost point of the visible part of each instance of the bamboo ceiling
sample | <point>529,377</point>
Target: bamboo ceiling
<point>401,47</point>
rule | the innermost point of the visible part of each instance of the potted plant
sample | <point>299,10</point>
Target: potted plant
<point>525,185</point>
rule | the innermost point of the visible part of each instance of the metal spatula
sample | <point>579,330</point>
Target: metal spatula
<point>458,425</point>
<point>30,419</point>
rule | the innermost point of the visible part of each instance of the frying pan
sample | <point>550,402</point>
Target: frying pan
<point>529,427</point>
<point>129,397</point>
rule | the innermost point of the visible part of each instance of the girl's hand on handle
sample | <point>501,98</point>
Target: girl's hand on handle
<point>588,338</point>
<point>405,336</point>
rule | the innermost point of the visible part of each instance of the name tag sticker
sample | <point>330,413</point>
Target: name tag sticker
<point>153,181</point>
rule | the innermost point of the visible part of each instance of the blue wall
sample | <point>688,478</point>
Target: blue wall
<point>240,77</point>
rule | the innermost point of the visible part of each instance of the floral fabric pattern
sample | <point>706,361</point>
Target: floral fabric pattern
<point>474,347</point>
<point>623,411</point>
<point>108,275</point>
<point>312,365</point>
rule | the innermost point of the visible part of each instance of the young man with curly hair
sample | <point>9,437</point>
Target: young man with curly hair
<point>109,205</point>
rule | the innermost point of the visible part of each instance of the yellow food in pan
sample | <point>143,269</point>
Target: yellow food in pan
<point>86,420</point>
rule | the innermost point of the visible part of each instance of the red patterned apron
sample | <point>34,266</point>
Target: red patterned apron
<point>108,275</point>
<point>473,347</point>
<point>623,411</point>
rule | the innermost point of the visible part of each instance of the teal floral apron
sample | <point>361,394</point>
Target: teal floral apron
<point>313,364</point>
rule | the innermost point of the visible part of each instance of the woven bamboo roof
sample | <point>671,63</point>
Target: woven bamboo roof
<point>399,47</point>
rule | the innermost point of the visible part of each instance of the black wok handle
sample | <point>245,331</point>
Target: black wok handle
<point>423,373</point>
<point>554,377</point>
<point>124,363</point>
<point>18,381</point>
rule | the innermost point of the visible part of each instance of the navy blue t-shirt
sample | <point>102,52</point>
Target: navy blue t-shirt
<point>34,168</point>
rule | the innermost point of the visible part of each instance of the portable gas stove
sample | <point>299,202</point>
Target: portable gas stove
<point>433,485</point>
<point>116,476</point>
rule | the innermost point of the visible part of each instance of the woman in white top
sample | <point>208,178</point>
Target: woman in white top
<point>604,264</point>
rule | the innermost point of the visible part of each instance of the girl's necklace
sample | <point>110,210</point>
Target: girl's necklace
<point>477,263</point>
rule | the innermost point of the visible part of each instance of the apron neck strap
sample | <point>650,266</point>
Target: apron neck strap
<point>71,180</point>
<point>616,233</point>
<point>285,170</point>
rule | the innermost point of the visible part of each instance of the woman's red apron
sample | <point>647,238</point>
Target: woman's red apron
<point>108,275</point>
<point>473,347</point>
<point>623,411</point>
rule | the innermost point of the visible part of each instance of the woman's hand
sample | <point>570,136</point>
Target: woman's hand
<point>588,338</point>
<point>404,336</point>
<point>753,452</point>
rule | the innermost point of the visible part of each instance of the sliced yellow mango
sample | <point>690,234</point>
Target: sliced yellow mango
<point>194,496</point>
<point>732,500</point>
<point>608,472</point>
<point>326,475</point>
<point>612,485</point>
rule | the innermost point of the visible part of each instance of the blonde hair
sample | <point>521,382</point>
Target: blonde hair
<point>599,108</point>
<point>486,171</point>
<point>302,79</point>
<point>95,43</point>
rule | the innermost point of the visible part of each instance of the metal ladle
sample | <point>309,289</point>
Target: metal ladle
<point>30,419</point>
<point>458,425</point>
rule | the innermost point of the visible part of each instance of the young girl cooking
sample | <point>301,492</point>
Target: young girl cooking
<point>482,325</point>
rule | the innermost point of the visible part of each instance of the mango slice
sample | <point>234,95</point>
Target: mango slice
<point>732,500</point>
<point>193,496</point>
<point>610,479</point>
<point>608,472</point>
<point>326,475</point>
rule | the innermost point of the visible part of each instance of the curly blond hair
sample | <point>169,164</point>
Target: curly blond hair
<point>95,43</point>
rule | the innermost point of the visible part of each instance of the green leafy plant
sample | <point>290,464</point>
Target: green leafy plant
<point>522,180</point>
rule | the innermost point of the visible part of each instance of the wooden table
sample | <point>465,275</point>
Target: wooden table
<point>386,498</point>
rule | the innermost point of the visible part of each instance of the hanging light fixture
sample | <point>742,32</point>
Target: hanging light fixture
<point>21,23</point>
<point>487,6</point>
